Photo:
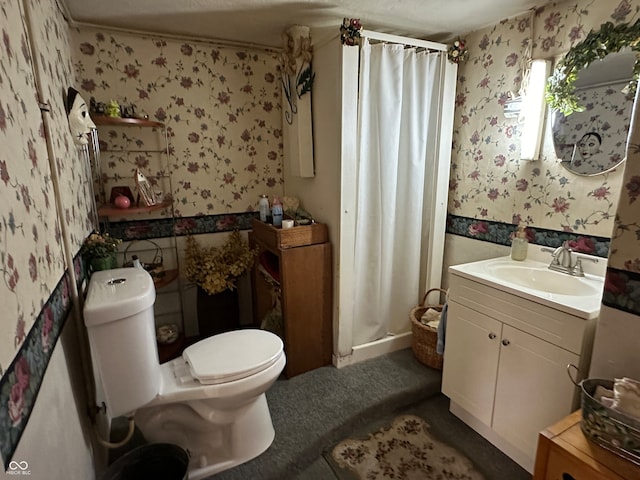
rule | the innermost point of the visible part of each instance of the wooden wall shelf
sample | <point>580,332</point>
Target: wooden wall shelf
<point>112,211</point>
<point>115,121</point>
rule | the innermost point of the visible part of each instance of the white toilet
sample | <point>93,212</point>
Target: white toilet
<point>211,401</point>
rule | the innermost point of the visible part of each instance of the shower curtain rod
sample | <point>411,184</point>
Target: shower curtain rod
<point>413,42</point>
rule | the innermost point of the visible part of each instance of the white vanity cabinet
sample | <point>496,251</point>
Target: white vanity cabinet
<point>505,364</point>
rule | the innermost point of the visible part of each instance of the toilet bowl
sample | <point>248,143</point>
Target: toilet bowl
<point>210,401</point>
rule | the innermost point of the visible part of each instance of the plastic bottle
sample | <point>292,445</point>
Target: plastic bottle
<point>263,206</point>
<point>136,262</point>
<point>276,212</point>
<point>520,244</point>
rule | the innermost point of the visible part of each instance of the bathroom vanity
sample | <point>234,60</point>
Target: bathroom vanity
<point>512,329</point>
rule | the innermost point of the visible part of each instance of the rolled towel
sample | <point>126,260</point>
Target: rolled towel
<point>607,401</point>
<point>627,397</point>
<point>433,323</point>
<point>602,392</point>
<point>430,315</point>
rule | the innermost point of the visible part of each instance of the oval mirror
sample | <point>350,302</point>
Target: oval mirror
<point>593,141</point>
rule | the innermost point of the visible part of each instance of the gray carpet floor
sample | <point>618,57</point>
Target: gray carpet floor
<point>314,411</point>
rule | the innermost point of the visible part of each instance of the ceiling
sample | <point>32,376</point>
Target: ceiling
<point>260,22</point>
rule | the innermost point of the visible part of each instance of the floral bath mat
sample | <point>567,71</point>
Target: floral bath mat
<point>405,450</point>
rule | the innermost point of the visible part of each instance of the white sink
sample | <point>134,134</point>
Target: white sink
<point>533,280</point>
<point>544,280</point>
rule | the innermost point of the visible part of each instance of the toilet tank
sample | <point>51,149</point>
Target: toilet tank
<point>118,313</point>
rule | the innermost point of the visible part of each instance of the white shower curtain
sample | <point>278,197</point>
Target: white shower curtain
<point>396,148</point>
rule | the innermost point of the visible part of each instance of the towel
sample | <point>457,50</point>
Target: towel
<point>604,396</point>
<point>431,318</point>
<point>442,330</point>
<point>627,397</point>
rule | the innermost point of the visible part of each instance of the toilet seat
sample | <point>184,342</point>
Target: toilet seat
<point>232,355</point>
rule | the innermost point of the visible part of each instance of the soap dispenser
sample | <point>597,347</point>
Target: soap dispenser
<point>519,244</point>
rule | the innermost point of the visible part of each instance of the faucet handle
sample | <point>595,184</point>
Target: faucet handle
<point>577,269</point>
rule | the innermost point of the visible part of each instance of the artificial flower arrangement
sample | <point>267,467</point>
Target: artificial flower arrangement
<point>458,51</point>
<point>560,91</point>
<point>99,251</point>
<point>100,245</point>
<point>350,31</point>
<point>216,269</point>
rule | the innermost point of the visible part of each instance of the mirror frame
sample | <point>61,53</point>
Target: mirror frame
<point>560,90</point>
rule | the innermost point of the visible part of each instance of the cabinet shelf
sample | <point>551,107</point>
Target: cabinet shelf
<point>112,211</point>
<point>114,121</point>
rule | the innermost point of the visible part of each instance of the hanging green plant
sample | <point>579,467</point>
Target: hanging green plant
<point>560,91</point>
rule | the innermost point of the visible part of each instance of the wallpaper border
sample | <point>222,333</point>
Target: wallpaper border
<point>622,290</point>
<point>500,233</point>
<point>21,382</point>
<point>165,227</point>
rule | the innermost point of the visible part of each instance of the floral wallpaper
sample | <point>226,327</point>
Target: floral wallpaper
<point>488,180</point>
<point>35,291</point>
<point>622,282</point>
<point>222,108</point>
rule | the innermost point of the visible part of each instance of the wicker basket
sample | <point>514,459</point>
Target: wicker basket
<point>155,267</point>
<point>425,338</point>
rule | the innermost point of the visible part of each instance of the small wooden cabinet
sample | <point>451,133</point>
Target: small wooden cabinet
<point>299,259</point>
<point>564,453</point>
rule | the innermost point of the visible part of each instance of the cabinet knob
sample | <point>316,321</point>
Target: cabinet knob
<point>505,342</point>
<point>492,335</point>
<point>566,476</point>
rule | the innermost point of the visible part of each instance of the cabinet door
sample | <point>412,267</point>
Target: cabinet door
<point>472,346</point>
<point>533,388</point>
<point>306,306</point>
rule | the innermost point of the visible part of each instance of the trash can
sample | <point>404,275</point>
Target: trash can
<point>161,461</point>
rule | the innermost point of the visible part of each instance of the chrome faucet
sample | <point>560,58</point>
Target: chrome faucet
<point>562,260</point>
<point>561,257</point>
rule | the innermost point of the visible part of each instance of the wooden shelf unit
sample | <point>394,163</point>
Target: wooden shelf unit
<point>304,268</point>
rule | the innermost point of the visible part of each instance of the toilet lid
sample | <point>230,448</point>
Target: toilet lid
<point>232,355</point>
